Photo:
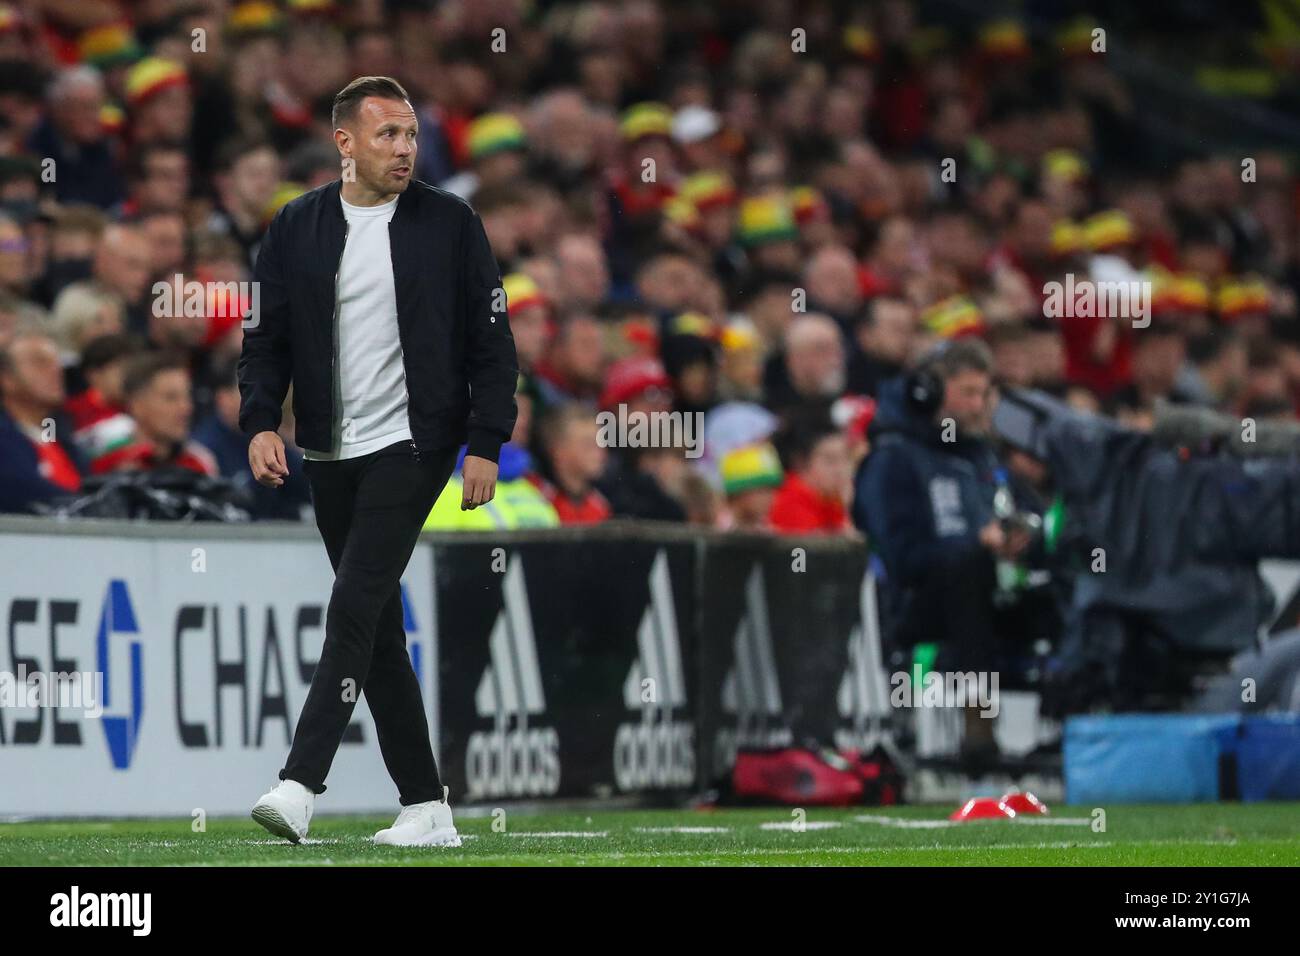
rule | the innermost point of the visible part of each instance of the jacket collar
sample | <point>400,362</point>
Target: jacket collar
<point>405,200</point>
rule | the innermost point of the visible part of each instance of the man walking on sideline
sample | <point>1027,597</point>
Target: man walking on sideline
<point>379,301</point>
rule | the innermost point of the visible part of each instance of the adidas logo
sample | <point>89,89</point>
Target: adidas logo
<point>863,697</point>
<point>750,689</point>
<point>658,751</point>
<point>512,759</point>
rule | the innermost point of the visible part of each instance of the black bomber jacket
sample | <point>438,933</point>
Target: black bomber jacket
<point>457,350</point>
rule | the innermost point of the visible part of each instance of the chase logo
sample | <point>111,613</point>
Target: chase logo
<point>121,718</point>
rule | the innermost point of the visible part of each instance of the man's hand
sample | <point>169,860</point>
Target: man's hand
<point>1004,544</point>
<point>480,482</point>
<point>992,537</point>
<point>266,458</point>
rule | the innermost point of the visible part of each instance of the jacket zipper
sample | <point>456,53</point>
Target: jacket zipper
<point>336,396</point>
<point>415,448</point>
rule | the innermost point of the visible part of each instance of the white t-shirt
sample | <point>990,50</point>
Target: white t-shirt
<point>371,376</point>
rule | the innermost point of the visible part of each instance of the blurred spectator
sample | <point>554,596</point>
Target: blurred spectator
<point>884,341</point>
<point>832,282</point>
<point>530,321</point>
<point>818,479</point>
<point>98,412</point>
<point>73,136</point>
<point>575,460</point>
<point>498,150</point>
<point>123,264</point>
<point>159,101</point>
<point>650,486</point>
<point>82,313</point>
<point>519,501</point>
<point>219,433</point>
<point>750,476</point>
<point>156,388</point>
<point>75,233</point>
<point>574,366</point>
<point>583,275</point>
<point>811,367</point>
<point>159,180</point>
<point>37,463</point>
<point>246,175</point>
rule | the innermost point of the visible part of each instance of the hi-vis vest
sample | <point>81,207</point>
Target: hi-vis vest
<point>517,504</point>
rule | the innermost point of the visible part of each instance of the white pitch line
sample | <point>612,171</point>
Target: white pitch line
<point>558,833</point>
<point>807,825</point>
<point>904,823</point>
<point>1056,821</point>
<point>682,829</point>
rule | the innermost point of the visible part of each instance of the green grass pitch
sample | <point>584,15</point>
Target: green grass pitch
<point>1201,835</point>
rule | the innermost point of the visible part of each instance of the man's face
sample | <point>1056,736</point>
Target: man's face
<point>968,401</point>
<point>167,113</point>
<point>124,262</point>
<point>829,468</point>
<point>1032,236</point>
<point>772,311</point>
<point>891,333</point>
<point>253,180</point>
<point>669,282</point>
<point>37,377</point>
<point>166,181</point>
<point>166,235</point>
<point>107,380</point>
<point>579,452</point>
<point>528,326</point>
<point>582,352</point>
<point>751,507</point>
<point>833,280</point>
<point>1158,360</point>
<point>584,276</point>
<point>162,409</point>
<point>816,363</point>
<point>169,323</point>
<point>77,113</point>
<point>381,139</point>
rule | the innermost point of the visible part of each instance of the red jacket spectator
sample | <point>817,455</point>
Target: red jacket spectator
<point>592,508</point>
<point>145,456</point>
<point>799,508</point>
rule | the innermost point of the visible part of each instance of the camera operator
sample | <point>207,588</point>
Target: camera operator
<point>938,509</point>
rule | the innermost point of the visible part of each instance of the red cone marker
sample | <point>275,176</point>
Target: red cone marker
<point>983,808</point>
<point>1025,802</point>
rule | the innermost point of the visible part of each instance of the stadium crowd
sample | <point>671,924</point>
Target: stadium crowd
<point>760,213</point>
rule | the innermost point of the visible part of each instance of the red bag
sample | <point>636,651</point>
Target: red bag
<point>797,776</point>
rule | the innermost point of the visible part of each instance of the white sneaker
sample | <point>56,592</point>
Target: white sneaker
<point>422,824</point>
<point>286,809</point>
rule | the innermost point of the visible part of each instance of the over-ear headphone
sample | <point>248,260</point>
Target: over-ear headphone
<point>923,386</point>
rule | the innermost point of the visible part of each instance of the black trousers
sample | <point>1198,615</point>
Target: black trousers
<point>954,607</point>
<point>370,510</point>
